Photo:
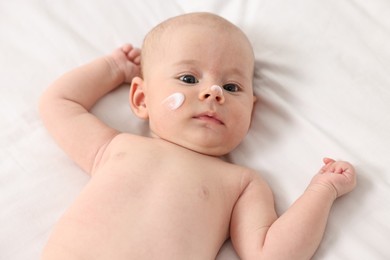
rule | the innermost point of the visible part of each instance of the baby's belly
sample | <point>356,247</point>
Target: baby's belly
<point>145,216</point>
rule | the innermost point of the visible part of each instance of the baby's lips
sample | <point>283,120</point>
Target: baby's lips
<point>209,116</point>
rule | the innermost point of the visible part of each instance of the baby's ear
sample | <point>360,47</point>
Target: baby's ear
<point>254,99</point>
<point>137,98</point>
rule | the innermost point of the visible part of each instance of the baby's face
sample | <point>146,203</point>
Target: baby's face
<point>199,91</point>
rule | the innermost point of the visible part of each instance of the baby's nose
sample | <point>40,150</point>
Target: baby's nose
<point>214,92</point>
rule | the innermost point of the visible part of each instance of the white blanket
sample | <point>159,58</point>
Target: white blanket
<point>322,78</point>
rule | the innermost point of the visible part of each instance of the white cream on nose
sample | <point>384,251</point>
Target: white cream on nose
<point>218,89</point>
<point>174,101</point>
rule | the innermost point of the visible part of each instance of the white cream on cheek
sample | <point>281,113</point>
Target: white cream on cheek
<point>174,101</point>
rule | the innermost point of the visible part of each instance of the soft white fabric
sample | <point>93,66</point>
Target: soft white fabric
<point>322,78</point>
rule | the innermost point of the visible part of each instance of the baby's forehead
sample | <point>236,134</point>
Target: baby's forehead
<point>171,26</point>
<point>156,40</point>
<point>209,22</point>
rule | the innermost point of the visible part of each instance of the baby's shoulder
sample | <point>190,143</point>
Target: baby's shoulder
<point>246,175</point>
<point>128,142</point>
<point>120,145</point>
<point>126,137</point>
<point>251,179</point>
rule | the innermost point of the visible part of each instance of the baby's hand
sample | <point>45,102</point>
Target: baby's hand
<point>126,60</point>
<point>338,176</point>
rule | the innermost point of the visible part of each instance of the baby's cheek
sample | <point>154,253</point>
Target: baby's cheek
<point>174,101</point>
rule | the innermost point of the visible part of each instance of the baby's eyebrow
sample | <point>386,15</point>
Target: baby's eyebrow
<point>186,62</point>
<point>238,72</point>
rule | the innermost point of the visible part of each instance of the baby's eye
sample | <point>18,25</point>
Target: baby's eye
<point>231,87</point>
<point>189,79</point>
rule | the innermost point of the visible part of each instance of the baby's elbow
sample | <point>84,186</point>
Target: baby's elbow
<point>42,105</point>
<point>48,108</point>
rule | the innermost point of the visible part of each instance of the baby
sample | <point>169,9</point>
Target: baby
<point>170,195</point>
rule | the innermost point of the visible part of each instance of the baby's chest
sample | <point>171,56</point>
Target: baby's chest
<point>174,183</point>
<point>175,198</point>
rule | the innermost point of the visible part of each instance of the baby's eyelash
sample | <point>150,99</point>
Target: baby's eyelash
<point>189,79</point>
<point>231,87</point>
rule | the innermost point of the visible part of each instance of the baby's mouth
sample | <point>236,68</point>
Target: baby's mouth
<point>209,117</point>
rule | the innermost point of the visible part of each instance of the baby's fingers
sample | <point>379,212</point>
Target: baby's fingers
<point>134,55</point>
<point>127,47</point>
<point>327,160</point>
<point>328,167</point>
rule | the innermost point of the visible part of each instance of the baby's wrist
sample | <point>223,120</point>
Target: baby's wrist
<point>115,68</point>
<point>324,189</point>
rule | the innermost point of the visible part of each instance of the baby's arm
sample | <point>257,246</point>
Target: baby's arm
<point>65,106</point>
<point>297,233</point>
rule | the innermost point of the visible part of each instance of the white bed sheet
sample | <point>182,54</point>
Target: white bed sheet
<point>322,78</point>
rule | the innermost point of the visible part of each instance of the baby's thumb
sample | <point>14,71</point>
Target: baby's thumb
<point>327,160</point>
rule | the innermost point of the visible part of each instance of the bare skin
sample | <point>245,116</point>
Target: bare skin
<point>166,198</point>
